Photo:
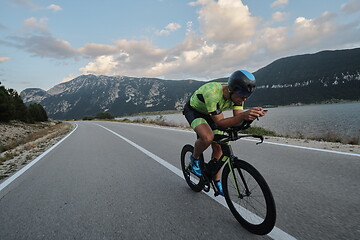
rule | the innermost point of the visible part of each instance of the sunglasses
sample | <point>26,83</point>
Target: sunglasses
<point>242,93</point>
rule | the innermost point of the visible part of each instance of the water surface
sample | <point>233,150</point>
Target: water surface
<point>341,119</point>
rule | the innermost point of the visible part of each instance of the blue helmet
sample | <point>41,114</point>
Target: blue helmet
<point>242,82</point>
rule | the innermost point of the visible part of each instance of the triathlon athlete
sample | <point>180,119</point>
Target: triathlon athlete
<point>204,114</point>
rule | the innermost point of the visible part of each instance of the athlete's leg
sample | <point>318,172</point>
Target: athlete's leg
<point>205,139</point>
<point>216,154</point>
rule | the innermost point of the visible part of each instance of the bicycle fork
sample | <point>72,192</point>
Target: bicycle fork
<point>235,182</point>
<point>231,159</point>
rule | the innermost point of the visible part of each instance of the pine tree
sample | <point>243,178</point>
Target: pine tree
<point>20,109</point>
<point>7,109</point>
<point>37,113</point>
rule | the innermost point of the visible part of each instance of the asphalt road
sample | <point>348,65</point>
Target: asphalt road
<point>121,181</point>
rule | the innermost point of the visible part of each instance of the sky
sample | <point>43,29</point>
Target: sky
<point>46,42</point>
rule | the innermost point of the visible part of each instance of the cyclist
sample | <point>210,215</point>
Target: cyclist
<point>204,113</point>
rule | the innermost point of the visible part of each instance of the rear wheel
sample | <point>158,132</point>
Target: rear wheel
<point>253,206</point>
<point>194,182</point>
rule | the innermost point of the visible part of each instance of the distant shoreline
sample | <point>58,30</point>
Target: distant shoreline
<point>166,112</point>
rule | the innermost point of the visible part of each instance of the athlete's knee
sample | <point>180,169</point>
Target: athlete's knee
<point>207,139</point>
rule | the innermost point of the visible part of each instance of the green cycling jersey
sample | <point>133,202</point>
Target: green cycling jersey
<point>209,99</point>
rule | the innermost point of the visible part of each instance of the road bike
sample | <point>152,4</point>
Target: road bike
<point>246,192</point>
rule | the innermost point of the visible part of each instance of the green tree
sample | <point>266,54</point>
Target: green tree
<point>20,109</point>
<point>6,107</point>
<point>37,113</point>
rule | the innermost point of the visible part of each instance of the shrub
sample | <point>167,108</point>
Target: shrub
<point>88,118</point>
<point>104,115</point>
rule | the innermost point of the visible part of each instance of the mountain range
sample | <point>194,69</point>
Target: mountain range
<point>311,78</point>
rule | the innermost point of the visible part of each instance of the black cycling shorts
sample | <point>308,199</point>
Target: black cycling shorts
<point>195,118</point>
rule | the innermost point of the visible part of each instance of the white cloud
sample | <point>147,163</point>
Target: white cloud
<point>279,3</point>
<point>240,25</point>
<point>4,59</point>
<point>54,7</point>
<point>274,39</point>
<point>171,27</point>
<point>69,78</point>
<point>314,30</point>
<point>102,65</point>
<point>279,16</point>
<point>352,6</point>
<point>38,25</point>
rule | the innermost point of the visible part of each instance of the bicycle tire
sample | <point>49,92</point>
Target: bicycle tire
<point>194,182</point>
<point>262,221</point>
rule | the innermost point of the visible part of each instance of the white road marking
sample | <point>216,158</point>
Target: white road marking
<point>32,163</point>
<point>276,233</point>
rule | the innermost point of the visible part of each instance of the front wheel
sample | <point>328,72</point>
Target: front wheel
<point>249,197</point>
<point>194,182</point>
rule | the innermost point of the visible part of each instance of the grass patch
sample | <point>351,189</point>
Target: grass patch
<point>260,131</point>
<point>159,120</point>
<point>166,112</point>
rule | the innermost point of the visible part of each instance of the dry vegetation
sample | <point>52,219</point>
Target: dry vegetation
<point>20,142</point>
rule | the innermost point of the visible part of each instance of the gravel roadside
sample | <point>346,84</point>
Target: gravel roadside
<point>20,143</point>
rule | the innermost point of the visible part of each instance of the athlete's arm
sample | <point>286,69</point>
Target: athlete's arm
<point>237,112</point>
<point>238,117</point>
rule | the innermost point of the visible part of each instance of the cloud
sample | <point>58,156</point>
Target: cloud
<point>33,6</point>
<point>47,46</point>
<point>95,50</point>
<point>209,54</point>
<point>37,25</point>
<point>350,7</point>
<point>214,15</point>
<point>4,59</point>
<point>25,3</point>
<point>102,65</point>
<point>274,39</point>
<point>279,16</point>
<point>69,78</point>
<point>171,27</point>
<point>279,3</point>
<point>314,30</point>
<point>229,38</point>
<point>54,7</point>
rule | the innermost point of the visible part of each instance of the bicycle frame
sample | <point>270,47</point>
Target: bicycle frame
<point>237,194</point>
<point>229,157</point>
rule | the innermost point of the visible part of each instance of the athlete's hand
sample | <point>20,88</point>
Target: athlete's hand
<point>254,113</point>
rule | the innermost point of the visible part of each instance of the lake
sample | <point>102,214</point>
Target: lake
<point>341,119</point>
